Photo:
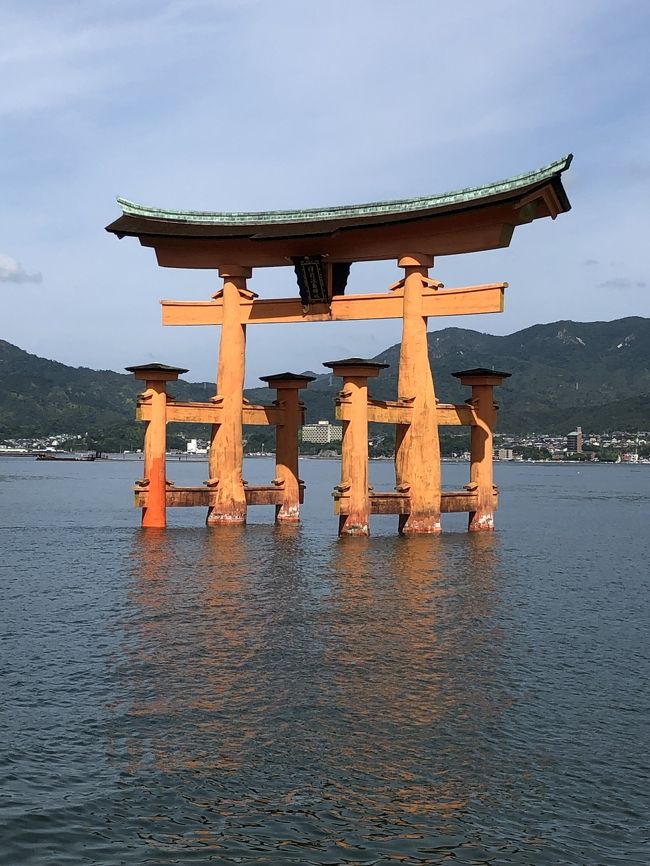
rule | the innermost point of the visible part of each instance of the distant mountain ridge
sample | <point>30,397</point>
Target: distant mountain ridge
<point>596,374</point>
<point>564,374</point>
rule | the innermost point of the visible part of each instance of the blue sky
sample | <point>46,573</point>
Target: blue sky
<point>252,104</point>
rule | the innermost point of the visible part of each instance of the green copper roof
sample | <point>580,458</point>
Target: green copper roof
<point>379,208</point>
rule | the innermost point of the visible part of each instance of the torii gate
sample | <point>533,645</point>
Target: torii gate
<point>322,244</point>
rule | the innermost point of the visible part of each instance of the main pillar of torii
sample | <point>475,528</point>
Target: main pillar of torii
<point>226,454</point>
<point>417,445</point>
<point>322,244</point>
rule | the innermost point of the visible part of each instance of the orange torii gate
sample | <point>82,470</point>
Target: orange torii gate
<point>322,244</point>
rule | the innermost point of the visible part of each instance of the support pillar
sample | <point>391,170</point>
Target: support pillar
<point>355,373</point>
<point>226,454</point>
<point>154,471</point>
<point>287,386</point>
<point>482,381</point>
<point>417,445</point>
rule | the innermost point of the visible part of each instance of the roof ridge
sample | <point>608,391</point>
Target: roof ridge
<point>352,211</point>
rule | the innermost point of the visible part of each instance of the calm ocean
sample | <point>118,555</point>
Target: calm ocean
<point>275,695</point>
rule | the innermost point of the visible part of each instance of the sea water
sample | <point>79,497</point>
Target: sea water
<point>276,695</point>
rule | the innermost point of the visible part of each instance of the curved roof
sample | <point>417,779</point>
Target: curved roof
<point>354,211</point>
<point>437,224</point>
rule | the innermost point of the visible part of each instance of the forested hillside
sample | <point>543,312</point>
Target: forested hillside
<point>596,374</point>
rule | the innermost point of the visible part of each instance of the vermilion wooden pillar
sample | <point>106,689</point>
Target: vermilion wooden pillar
<point>355,373</point>
<point>482,381</point>
<point>287,386</point>
<point>226,454</point>
<point>417,445</point>
<point>154,479</point>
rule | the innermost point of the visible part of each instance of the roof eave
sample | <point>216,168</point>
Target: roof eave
<point>146,220</point>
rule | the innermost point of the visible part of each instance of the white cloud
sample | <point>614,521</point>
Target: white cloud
<point>12,271</point>
<point>58,60</point>
<point>622,283</point>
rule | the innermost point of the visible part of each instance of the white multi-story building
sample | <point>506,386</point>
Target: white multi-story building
<point>322,432</point>
<point>192,447</point>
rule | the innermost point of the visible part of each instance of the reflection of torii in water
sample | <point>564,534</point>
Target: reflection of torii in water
<point>260,675</point>
<point>322,244</point>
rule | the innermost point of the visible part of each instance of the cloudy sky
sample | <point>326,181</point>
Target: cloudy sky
<point>253,104</point>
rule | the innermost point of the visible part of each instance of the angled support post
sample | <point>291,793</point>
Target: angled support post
<point>287,387</point>
<point>355,373</point>
<point>226,453</point>
<point>417,445</point>
<point>481,480</point>
<point>154,472</point>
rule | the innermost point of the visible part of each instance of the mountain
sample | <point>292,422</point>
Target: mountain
<point>596,374</point>
<point>593,374</point>
<point>40,398</point>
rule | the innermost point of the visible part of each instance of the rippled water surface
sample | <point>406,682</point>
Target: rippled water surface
<point>276,695</point>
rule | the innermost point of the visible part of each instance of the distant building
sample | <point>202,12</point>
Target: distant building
<point>574,441</point>
<point>322,432</point>
<point>504,454</point>
<point>192,447</point>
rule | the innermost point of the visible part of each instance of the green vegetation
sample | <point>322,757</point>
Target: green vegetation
<point>564,374</point>
<point>530,452</point>
<point>603,455</point>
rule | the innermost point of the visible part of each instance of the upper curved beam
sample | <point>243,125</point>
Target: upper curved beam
<point>351,212</point>
<point>475,218</point>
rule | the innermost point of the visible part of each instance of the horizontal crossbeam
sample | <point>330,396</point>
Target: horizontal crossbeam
<point>211,413</point>
<point>400,412</point>
<point>399,503</point>
<point>344,308</point>
<point>187,497</point>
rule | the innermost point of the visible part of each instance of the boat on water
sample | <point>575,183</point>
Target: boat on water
<point>60,458</point>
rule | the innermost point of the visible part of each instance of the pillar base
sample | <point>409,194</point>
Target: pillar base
<point>352,527</point>
<point>481,521</point>
<point>225,518</point>
<point>410,524</point>
<point>287,514</point>
<point>153,521</point>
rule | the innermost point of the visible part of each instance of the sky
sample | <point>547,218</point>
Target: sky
<point>255,105</point>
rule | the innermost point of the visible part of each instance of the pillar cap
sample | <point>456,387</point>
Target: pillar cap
<point>226,271</point>
<point>481,376</point>
<point>415,260</point>
<point>163,372</point>
<point>355,367</point>
<point>295,380</point>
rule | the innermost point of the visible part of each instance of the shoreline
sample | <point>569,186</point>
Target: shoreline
<point>82,457</point>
